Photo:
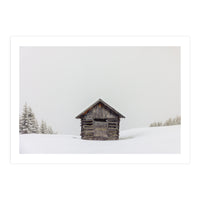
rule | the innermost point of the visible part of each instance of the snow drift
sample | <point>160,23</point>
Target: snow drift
<point>157,140</point>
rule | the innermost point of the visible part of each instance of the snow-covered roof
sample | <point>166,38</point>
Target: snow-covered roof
<point>94,104</point>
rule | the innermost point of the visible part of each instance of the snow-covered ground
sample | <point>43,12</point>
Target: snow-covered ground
<point>140,140</point>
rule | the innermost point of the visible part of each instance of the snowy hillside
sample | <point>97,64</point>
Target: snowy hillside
<point>140,140</point>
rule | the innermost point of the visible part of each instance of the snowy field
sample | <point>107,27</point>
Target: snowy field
<point>141,140</point>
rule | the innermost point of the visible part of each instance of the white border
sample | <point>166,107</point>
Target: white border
<point>183,42</point>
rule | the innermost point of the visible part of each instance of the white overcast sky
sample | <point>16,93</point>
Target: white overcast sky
<point>142,83</point>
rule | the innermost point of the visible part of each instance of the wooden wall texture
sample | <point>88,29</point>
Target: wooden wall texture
<point>100,123</point>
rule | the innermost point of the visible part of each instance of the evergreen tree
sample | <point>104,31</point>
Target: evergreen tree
<point>169,122</point>
<point>50,130</point>
<point>33,125</point>
<point>37,127</point>
<point>43,128</point>
<point>20,124</point>
<point>178,120</point>
<point>174,121</point>
<point>28,123</point>
<point>24,120</point>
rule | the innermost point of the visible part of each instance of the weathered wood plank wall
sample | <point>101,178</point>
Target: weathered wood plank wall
<point>100,123</point>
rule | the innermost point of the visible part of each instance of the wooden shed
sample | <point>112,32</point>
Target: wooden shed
<point>100,122</point>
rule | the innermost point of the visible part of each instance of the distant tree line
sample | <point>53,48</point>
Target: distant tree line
<point>29,124</point>
<point>169,122</point>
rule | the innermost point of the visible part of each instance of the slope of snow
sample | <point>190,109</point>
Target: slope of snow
<point>141,140</point>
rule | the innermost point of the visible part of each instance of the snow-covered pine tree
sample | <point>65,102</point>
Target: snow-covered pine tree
<point>20,124</point>
<point>50,130</point>
<point>153,124</point>
<point>31,120</point>
<point>29,124</point>
<point>27,121</point>
<point>43,128</point>
<point>169,122</point>
<point>37,127</point>
<point>178,120</point>
<point>174,121</point>
<point>33,125</point>
<point>24,120</point>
